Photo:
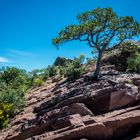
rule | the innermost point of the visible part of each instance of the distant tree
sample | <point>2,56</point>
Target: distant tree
<point>100,28</point>
<point>13,76</point>
<point>74,69</point>
<point>61,61</point>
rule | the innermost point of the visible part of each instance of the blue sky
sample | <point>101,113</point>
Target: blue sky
<point>28,26</point>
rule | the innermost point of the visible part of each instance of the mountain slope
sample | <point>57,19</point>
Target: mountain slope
<point>73,110</point>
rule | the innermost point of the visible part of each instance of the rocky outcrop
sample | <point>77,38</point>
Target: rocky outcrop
<point>107,127</point>
<point>80,110</point>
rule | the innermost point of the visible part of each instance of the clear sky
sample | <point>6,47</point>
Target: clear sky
<point>28,26</point>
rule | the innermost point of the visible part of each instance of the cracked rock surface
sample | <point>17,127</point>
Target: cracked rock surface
<point>107,109</point>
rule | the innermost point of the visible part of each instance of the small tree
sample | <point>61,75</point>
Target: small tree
<point>100,28</point>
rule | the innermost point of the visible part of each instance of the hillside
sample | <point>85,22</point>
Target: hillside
<point>81,109</point>
<point>69,70</point>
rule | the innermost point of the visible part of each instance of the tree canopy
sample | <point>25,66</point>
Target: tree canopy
<point>101,29</point>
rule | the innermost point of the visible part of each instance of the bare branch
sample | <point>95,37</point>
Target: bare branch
<point>116,46</point>
<point>86,39</point>
<point>92,40</point>
<point>82,39</point>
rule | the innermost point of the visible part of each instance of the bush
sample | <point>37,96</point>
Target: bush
<point>53,70</point>
<point>6,112</point>
<point>45,75</point>
<point>62,71</point>
<point>37,82</point>
<point>13,85</point>
<point>38,77</point>
<point>122,56</point>
<point>61,61</point>
<point>74,69</point>
<point>90,61</point>
<point>15,82</point>
<point>14,96</point>
<point>72,72</point>
<point>14,77</point>
<point>11,102</point>
<point>134,63</point>
<point>130,47</point>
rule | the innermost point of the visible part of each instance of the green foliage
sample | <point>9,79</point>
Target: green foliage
<point>100,28</point>
<point>126,58</point>
<point>133,60</point>
<point>101,23</point>
<point>13,85</point>
<point>38,77</point>
<point>14,77</point>
<point>72,72</point>
<point>6,111</point>
<point>15,82</point>
<point>11,95</point>
<point>37,82</point>
<point>53,70</point>
<point>130,47</point>
<point>73,69</point>
<point>45,74</point>
<point>130,81</point>
<point>90,61</point>
<point>134,63</point>
<point>61,61</point>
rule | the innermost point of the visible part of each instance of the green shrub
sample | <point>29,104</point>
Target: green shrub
<point>129,81</point>
<point>14,75</point>
<point>72,72</point>
<point>74,69</point>
<point>61,61</point>
<point>8,94</point>
<point>130,47</point>
<point>45,75</point>
<point>134,63</point>
<point>36,77</point>
<point>13,85</point>
<point>90,61</point>
<point>14,99</point>
<point>62,71</point>
<point>37,82</point>
<point>6,112</point>
<point>53,70</point>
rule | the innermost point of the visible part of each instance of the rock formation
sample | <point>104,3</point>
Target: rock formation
<point>80,110</point>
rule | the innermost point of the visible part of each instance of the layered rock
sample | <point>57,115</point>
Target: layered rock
<point>81,109</point>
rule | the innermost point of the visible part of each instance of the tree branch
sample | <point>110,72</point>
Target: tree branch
<point>114,47</point>
<point>86,39</point>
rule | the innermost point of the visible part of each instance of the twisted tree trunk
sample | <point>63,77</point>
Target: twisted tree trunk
<point>98,65</point>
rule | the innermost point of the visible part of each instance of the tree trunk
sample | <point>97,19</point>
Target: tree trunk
<point>98,65</point>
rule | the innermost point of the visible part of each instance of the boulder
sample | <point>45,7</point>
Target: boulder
<point>76,108</point>
<point>72,120</point>
<point>105,129</point>
<point>121,98</point>
<point>137,82</point>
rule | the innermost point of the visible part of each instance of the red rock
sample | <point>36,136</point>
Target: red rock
<point>121,98</point>
<point>137,82</point>
<point>72,120</point>
<point>76,108</point>
<point>83,110</point>
<point>105,129</point>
